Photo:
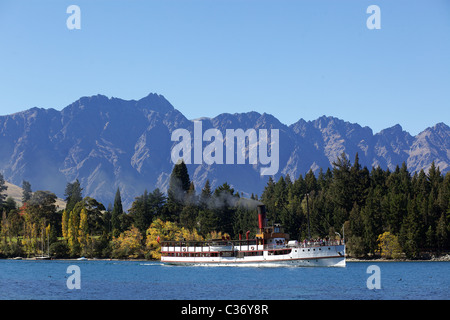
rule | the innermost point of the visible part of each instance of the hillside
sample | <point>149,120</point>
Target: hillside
<point>15,192</point>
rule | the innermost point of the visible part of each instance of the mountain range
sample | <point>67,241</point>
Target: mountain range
<point>109,143</point>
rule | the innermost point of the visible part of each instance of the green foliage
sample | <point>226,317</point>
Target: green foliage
<point>26,193</point>
<point>3,188</point>
<point>117,215</point>
<point>413,208</point>
<point>73,193</point>
<point>370,207</point>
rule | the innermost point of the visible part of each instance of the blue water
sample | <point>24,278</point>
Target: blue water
<point>125,280</point>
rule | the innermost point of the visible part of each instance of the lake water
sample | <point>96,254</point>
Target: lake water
<point>136,280</point>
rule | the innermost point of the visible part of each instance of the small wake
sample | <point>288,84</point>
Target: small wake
<point>151,264</point>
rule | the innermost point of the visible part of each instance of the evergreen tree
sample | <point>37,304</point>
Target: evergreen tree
<point>355,233</point>
<point>156,201</point>
<point>3,188</point>
<point>205,196</point>
<point>359,182</point>
<point>178,187</point>
<point>179,183</point>
<point>26,191</point>
<point>245,219</point>
<point>73,194</point>
<point>311,182</point>
<point>442,230</point>
<point>410,235</point>
<point>371,216</point>
<point>341,191</point>
<point>140,212</point>
<point>224,201</point>
<point>117,215</point>
<point>189,213</point>
<point>269,199</point>
<point>281,200</point>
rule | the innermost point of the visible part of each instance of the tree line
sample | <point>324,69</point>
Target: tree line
<point>368,206</point>
<point>380,212</point>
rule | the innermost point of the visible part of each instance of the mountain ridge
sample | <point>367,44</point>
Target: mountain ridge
<point>110,143</point>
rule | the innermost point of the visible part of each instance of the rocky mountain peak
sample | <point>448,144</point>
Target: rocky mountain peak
<point>108,143</point>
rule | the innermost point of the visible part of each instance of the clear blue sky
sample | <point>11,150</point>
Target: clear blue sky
<point>293,59</point>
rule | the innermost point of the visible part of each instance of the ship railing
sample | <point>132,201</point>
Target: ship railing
<point>211,246</point>
<point>241,245</point>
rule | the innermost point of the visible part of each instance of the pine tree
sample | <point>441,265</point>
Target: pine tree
<point>178,187</point>
<point>442,231</point>
<point>359,182</point>
<point>179,183</point>
<point>268,198</point>
<point>116,215</point>
<point>435,179</point>
<point>26,193</point>
<point>410,233</point>
<point>140,212</point>
<point>371,216</point>
<point>73,193</point>
<point>156,201</point>
<point>311,182</point>
<point>224,200</point>
<point>205,195</point>
<point>341,188</point>
<point>281,200</point>
<point>3,188</point>
<point>189,213</point>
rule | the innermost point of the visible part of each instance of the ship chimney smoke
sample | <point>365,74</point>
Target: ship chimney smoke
<point>261,216</point>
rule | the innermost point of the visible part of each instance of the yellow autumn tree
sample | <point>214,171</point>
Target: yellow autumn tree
<point>167,231</point>
<point>65,224</point>
<point>30,236</point>
<point>388,246</point>
<point>128,244</point>
<point>216,235</point>
<point>72,232</point>
<point>83,235</point>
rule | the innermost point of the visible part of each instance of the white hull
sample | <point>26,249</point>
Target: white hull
<point>320,256</point>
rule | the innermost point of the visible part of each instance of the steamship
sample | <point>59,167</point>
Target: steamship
<point>271,247</point>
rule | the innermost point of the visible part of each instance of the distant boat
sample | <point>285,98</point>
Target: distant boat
<point>42,257</point>
<point>82,259</point>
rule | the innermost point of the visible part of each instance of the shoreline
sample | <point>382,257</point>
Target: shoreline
<point>443,258</point>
